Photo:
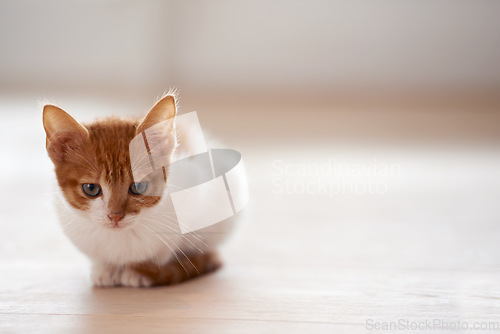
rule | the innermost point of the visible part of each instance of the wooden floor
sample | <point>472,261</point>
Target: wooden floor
<point>424,247</point>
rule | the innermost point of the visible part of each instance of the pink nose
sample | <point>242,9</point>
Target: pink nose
<point>116,217</point>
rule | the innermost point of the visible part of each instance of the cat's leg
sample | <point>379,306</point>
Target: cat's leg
<point>105,275</point>
<point>177,271</point>
<point>133,278</point>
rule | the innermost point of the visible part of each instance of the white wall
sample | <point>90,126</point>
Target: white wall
<point>339,43</point>
<point>79,44</point>
<point>275,44</point>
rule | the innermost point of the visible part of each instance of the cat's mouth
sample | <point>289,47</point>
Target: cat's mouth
<point>119,223</point>
<point>117,226</point>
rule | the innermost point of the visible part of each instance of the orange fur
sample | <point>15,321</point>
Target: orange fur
<point>100,157</point>
<point>174,272</point>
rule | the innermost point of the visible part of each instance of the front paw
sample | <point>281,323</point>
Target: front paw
<point>130,277</point>
<point>105,276</point>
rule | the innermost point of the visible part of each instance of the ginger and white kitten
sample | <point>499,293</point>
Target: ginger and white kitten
<point>127,233</point>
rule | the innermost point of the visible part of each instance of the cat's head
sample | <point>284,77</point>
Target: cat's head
<point>93,166</point>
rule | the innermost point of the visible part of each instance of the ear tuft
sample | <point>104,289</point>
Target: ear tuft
<point>163,110</point>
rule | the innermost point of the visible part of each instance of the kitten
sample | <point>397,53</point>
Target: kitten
<point>125,232</point>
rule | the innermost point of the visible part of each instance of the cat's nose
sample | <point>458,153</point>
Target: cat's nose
<point>116,217</point>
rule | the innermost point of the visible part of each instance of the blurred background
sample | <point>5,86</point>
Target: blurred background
<point>294,86</point>
<point>296,58</point>
<point>318,48</point>
<point>300,88</point>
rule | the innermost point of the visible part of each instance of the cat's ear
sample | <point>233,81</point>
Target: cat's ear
<point>63,132</point>
<point>162,111</point>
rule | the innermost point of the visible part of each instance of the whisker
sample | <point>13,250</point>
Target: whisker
<point>197,236</point>
<point>152,246</point>
<point>88,162</point>
<point>187,258</point>
<point>184,236</point>
<point>171,250</point>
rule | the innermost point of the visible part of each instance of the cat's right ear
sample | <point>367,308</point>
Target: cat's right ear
<point>63,132</point>
<point>163,110</point>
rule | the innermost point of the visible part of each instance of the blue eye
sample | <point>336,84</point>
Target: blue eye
<point>92,190</point>
<point>138,188</point>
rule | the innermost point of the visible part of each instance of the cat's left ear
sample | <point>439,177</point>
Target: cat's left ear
<point>162,111</point>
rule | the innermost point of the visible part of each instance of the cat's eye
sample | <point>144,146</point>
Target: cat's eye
<point>92,190</point>
<point>138,188</point>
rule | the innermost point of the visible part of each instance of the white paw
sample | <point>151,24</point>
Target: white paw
<point>104,276</point>
<point>132,278</point>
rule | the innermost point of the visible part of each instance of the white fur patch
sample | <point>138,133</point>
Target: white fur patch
<point>134,243</point>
